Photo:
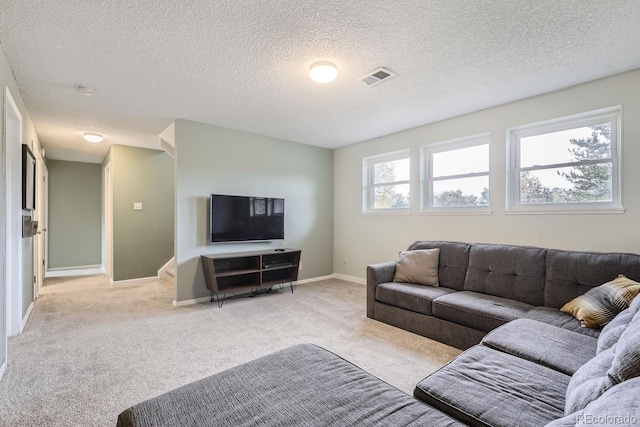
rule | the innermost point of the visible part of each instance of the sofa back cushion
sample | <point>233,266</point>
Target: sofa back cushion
<point>611,332</point>
<point>589,382</point>
<point>570,274</point>
<point>617,406</point>
<point>508,271</point>
<point>453,262</point>
<point>617,364</point>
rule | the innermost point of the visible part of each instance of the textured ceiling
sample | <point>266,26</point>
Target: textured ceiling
<point>243,64</point>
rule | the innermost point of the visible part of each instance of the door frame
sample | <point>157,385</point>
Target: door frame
<point>13,231</point>
<point>108,221</point>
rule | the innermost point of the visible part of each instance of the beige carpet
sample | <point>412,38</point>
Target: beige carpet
<point>91,350</point>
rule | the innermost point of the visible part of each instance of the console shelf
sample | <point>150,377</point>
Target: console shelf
<point>249,271</point>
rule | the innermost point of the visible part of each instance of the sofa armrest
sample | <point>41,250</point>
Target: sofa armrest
<point>376,274</point>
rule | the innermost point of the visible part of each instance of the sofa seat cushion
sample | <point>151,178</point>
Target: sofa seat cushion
<point>301,385</point>
<point>485,387</point>
<point>555,317</point>
<point>410,296</point>
<point>546,345</point>
<point>478,311</point>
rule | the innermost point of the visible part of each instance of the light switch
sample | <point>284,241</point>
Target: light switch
<point>137,206</point>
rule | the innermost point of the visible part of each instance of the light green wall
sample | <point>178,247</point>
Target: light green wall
<point>75,237</point>
<point>211,159</point>
<point>364,239</point>
<point>142,240</point>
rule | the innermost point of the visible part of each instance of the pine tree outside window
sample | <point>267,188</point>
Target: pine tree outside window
<point>566,165</point>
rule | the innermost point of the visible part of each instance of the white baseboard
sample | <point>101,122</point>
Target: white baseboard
<point>3,367</point>
<point>191,301</point>
<point>299,282</point>
<point>314,279</point>
<point>81,270</point>
<point>162,273</point>
<point>353,279</point>
<point>26,317</point>
<point>129,281</point>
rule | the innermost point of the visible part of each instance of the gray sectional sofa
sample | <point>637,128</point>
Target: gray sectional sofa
<point>532,365</point>
<point>529,373</point>
<point>483,286</point>
<point>525,373</point>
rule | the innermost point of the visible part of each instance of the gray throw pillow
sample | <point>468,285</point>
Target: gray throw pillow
<point>420,266</point>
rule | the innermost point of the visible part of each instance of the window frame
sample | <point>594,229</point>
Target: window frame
<point>368,176</point>
<point>515,134</point>
<point>427,179</point>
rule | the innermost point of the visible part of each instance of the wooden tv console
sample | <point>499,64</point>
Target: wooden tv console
<point>228,273</point>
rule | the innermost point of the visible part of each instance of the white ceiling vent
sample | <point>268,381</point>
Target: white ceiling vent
<point>377,76</point>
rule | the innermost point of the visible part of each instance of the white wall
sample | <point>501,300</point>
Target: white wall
<point>365,239</point>
<point>211,159</point>
<point>21,263</point>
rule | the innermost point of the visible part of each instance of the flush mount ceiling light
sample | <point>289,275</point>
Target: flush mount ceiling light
<point>92,137</point>
<point>323,72</point>
<point>86,90</point>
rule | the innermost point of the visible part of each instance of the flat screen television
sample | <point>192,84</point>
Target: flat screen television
<point>243,218</point>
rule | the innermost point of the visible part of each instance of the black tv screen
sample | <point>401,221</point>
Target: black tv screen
<point>242,218</point>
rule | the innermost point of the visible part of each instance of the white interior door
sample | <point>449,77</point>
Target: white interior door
<point>40,214</point>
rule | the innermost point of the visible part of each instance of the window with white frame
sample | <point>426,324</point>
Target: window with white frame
<point>567,164</point>
<point>456,175</point>
<point>386,182</point>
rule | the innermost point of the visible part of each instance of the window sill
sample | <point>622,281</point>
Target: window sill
<point>607,211</point>
<point>387,212</point>
<point>451,212</point>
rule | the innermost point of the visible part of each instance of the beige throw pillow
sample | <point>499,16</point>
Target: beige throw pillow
<point>419,266</point>
<point>600,305</point>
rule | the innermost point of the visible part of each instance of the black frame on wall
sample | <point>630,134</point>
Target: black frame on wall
<point>28,179</point>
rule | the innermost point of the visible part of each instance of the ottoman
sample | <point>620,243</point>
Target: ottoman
<point>303,385</point>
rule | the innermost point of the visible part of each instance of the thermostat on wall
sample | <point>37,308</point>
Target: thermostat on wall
<point>137,206</point>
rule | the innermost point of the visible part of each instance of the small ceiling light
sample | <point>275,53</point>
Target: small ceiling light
<point>92,137</point>
<point>323,72</point>
<point>86,90</point>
